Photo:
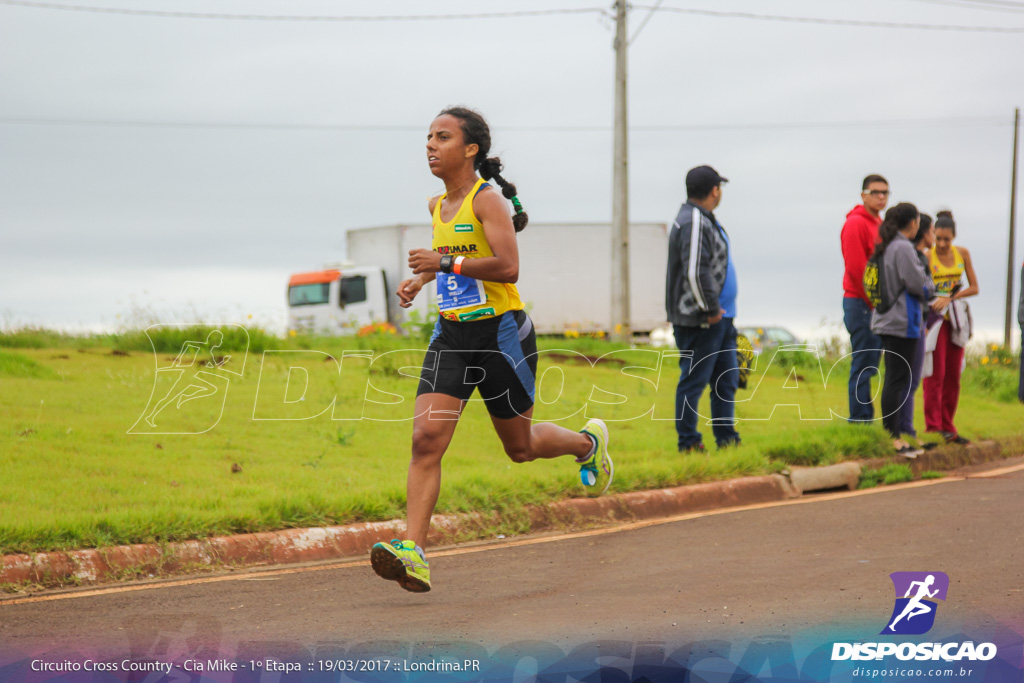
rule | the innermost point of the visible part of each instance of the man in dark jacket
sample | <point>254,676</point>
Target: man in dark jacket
<point>858,238</point>
<point>700,300</point>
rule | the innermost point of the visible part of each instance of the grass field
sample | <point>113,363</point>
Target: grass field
<point>80,467</point>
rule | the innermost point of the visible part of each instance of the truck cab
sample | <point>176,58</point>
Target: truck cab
<point>338,300</point>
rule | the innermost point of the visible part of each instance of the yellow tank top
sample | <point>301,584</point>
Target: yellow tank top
<point>946,277</point>
<point>459,297</point>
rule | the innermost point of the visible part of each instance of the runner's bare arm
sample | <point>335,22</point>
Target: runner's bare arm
<point>492,210</point>
<point>493,213</point>
<point>408,289</point>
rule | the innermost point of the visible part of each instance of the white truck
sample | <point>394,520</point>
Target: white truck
<point>564,279</point>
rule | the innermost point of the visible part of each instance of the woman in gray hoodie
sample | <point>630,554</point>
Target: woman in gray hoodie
<point>906,287</point>
<point>923,241</point>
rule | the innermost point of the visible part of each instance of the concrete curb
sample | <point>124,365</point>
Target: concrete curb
<point>844,475</point>
<point>304,545</point>
<point>948,457</point>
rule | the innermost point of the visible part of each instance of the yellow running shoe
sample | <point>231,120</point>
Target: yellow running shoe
<point>598,465</point>
<point>399,561</point>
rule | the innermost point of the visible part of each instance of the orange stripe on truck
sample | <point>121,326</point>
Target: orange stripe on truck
<point>318,277</point>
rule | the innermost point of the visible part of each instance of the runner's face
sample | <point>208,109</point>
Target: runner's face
<point>943,240</point>
<point>446,151</point>
<point>876,196</point>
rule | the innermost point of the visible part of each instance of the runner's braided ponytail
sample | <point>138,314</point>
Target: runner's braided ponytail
<point>476,131</point>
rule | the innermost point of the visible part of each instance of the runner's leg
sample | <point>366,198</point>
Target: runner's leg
<point>436,418</point>
<point>525,441</point>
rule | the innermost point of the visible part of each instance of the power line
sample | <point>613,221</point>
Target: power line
<point>950,121</point>
<point>644,22</point>
<point>652,128</point>
<point>524,13</point>
<point>1003,3</point>
<point>279,17</point>
<point>835,22</point>
<point>961,4</point>
<point>204,124</point>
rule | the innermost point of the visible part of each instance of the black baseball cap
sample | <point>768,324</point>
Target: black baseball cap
<point>701,180</point>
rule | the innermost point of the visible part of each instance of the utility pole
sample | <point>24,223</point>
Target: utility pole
<point>1010,274</point>
<point>621,325</point>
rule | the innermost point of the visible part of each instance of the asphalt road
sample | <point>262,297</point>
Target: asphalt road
<point>780,569</point>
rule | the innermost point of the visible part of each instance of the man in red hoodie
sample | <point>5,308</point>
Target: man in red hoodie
<point>860,233</point>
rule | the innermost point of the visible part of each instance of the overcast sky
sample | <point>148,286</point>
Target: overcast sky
<point>107,224</point>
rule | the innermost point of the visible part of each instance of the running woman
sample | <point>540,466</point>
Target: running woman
<point>482,324</point>
<point>949,265</point>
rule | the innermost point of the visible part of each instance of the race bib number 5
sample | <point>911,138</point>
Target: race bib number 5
<point>458,291</point>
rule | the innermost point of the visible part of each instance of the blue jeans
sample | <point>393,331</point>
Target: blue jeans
<point>713,361</point>
<point>867,353</point>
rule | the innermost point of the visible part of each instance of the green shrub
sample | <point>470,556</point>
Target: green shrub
<point>41,338</point>
<point>892,473</point>
<point>828,444</point>
<point>171,338</point>
<point>998,382</point>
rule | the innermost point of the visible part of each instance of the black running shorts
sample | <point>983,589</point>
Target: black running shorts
<point>496,355</point>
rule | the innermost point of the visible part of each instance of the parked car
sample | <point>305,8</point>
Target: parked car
<point>763,337</point>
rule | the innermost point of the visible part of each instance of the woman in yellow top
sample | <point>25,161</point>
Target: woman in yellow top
<point>483,338</point>
<point>948,265</point>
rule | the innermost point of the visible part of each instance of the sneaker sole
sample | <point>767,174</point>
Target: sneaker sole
<point>390,567</point>
<point>606,460</point>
